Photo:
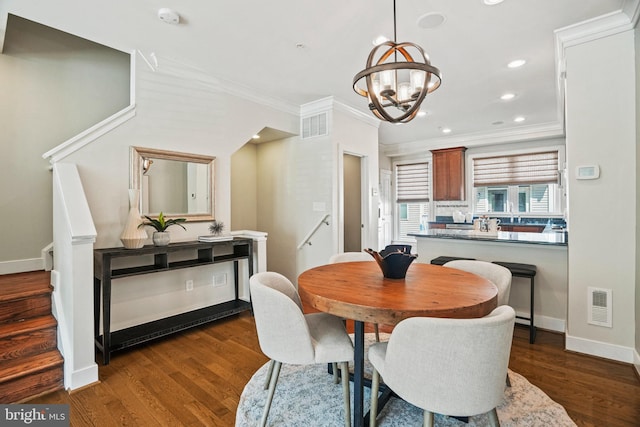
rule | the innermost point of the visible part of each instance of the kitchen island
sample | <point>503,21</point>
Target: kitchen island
<point>548,251</point>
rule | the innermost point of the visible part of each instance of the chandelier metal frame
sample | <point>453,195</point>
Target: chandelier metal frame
<point>387,98</point>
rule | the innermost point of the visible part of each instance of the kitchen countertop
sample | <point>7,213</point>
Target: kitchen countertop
<point>547,238</point>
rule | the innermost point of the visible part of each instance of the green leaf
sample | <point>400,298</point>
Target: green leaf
<point>161,224</point>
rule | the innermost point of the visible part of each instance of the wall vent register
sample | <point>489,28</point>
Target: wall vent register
<point>599,307</point>
<point>315,126</point>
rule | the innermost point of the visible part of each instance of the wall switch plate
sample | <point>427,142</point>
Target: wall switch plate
<point>188,285</point>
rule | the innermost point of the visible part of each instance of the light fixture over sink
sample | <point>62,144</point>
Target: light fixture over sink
<point>400,84</point>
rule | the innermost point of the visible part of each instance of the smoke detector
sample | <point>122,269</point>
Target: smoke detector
<point>169,16</point>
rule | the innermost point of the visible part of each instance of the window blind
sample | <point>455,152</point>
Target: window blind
<point>533,168</point>
<point>412,183</point>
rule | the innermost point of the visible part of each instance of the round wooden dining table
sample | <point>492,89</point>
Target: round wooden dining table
<point>359,291</point>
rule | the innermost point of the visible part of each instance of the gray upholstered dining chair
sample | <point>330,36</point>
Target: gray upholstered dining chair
<point>499,275</point>
<point>287,335</point>
<point>446,366</point>
<point>355,257</point>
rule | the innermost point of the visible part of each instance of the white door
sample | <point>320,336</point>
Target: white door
<point>385,210</point>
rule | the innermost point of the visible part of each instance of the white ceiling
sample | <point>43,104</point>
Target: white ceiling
<point>254,44</point>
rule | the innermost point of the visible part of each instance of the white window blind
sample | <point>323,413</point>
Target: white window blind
<point>412,183</point>
<point>533,168</point>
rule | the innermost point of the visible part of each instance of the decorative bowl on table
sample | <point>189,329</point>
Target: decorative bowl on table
<point>394,260</point>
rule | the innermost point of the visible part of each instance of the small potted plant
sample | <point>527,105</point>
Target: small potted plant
<point>161,236</point>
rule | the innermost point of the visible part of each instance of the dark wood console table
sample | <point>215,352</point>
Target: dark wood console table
<point>104,273</point>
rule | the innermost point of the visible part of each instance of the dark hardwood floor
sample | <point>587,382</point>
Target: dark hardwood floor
<point>195,378</point>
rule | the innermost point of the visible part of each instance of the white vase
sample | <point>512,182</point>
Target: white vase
<point>133,236</point>
<point>161,238</point>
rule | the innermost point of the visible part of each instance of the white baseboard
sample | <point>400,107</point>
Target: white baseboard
<point>82,377</point>
<point>602,349</point>
<point>544,322</point>
<point>21,266</point>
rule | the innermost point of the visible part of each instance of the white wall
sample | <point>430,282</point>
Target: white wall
<point>276,204</point>
<point>601,129</point>
<point>50,82</point>
<point>637,217</point>
<point>244,188</point>
<point>180,115</point>
<point>298,182</point>
<point>359,137</point>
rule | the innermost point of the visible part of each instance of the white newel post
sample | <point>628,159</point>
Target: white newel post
<point>259,257</point>
<point>72,276</point>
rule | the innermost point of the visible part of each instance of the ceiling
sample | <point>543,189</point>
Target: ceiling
<point>294,52</point>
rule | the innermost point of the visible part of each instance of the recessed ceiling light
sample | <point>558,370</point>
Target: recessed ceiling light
<point>431,20</point>
<point>516,63</point>
<point>519,119</point>
<point>508,96</point>
<point>446,130</point>
<point>256,136</point>
<point>492,2</point>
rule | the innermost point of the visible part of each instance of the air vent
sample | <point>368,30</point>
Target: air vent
<point>599,307</point>
<point>313,126</point>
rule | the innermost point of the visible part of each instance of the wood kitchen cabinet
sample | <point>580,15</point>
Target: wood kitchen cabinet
<point>517,228</point>
<point>448,174</point>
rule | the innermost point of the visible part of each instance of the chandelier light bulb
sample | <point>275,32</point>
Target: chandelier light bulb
<point>417,80</point>
<point>388,80</point>
<point>404,92</point>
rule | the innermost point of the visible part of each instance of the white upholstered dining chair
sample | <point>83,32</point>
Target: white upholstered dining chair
<point>355,257</point>
<point>499,275</point>
<point>287,335</point>
<point>446,366</point>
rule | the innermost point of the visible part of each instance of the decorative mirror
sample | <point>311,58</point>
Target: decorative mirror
<point>178,184</point>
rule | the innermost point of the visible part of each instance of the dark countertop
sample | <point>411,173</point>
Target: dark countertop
<point>506,220</point>
<point>520,224</point>
<point>549,238</point>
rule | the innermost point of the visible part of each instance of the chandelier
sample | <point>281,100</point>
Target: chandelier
<point>397,88</point>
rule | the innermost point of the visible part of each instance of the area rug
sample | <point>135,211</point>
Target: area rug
<point>306,396</point>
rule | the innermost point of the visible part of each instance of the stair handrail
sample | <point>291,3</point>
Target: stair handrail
<point>307,239</point>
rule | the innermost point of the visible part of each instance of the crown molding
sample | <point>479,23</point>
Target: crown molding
<point>519,134</point>
<point>592,29</point>
<point>357,114</point>
<point>316,107</point>
<point>331,104</point>
<point>632,9</point>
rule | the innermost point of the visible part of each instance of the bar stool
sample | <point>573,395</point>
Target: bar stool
<point>526,271</point>
<point>442,260</point>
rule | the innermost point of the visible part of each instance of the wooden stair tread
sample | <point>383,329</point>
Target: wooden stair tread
<point>10,329</point>
<point>12,369</point>
<point>24,285</point>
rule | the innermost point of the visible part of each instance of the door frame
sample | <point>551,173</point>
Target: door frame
<point>364,198</point>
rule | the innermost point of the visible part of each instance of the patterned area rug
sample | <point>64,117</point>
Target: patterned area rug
<point>306,396</point>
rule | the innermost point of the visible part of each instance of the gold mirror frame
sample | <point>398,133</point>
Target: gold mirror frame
<point>139,160</point>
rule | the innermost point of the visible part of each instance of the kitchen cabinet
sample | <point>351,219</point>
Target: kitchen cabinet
<point>448,173</point>
<point>437,225</point>
<point>521,228</point>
